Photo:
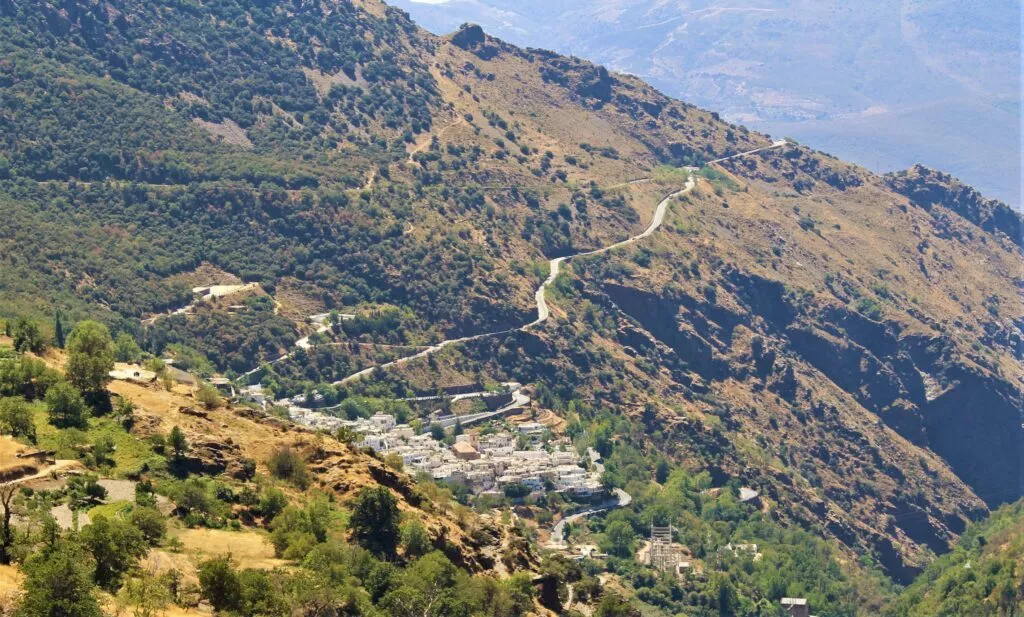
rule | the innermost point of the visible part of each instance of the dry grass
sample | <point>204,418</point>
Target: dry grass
<point>9,447</point>
<point>10,579</point>
<point>250,549</point>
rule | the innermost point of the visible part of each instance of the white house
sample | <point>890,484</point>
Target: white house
<point>384,422</point>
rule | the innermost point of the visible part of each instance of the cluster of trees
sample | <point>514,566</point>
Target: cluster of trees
<point>983,574</point>
<point>230,341</point>
<point>71,398</point>
<point>223,59</point>
<point>391,569</point>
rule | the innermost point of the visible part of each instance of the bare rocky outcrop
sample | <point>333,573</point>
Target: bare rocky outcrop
<point>928,188</point>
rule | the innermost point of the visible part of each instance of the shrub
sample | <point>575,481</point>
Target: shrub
<point>272,502</point>
<point>415,540</point>
<point>209,396</point>
<point>286,464</point>
<point>870,308</point>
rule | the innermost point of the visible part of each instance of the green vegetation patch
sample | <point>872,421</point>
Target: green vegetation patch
<point>719,179</point>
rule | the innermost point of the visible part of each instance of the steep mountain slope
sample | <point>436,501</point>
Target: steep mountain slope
<point>799,324</point>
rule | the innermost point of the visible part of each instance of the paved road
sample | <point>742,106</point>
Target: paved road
<point>46,472</point>
<point>543,311</point>
<point>778,143</point>
<point>518,400</point>
<point>511,386</point>
<point>620,500</point>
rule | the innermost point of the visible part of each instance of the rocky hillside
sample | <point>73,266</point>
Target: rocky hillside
<point>846,343</point>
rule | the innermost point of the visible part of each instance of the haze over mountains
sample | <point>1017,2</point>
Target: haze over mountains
<point>885,83</point>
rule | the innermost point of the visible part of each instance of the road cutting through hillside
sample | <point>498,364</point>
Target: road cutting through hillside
<point>543,312</point>
<point>540,297</point>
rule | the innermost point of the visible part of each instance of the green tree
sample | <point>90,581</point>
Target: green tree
<point>7,493</point>
<point>194,498</point>
<point>618,539</point>
<point>116,545</point>
<point>728,599</point>
<point>90,357</point>
<point>375,519</point>
<point>612,605</point>
<point>27,336</point>
<point>65,406</point>
<point>178,442</point>
<point>16,418</point>
<point>145,596</point>
<point>261,595</point>
<point>84,491</point>
<point>415,540</point>
<point>151,522</point>
<point>431,586</point>
<point>126,349</point>
<point>124,412</point>
<point>220,583</point>
<point>436,432</point>
<point>59,336</point>
<point>295,531</point>
<point>103,449</point>
<point>59,583</point>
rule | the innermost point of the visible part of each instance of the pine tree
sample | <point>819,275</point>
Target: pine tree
<point>58,331</point>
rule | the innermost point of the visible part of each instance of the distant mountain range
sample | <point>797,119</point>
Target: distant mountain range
<point>886,83</point>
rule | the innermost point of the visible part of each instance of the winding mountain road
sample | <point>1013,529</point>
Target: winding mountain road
<point>543,311</point>
<point>621,499</point>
